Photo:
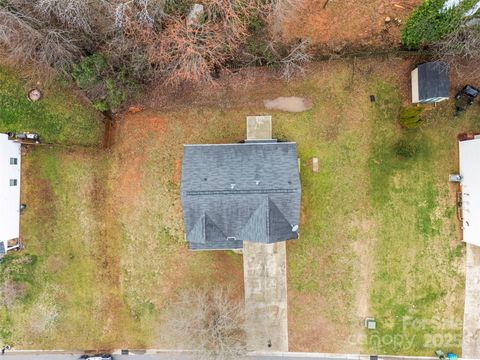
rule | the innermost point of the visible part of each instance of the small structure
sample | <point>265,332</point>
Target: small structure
<point>370,323</point>
<point>246,191</point>
<point>430,83</point>
<point>10,159</point>
<point>315,165</point>
<point>470,183</point>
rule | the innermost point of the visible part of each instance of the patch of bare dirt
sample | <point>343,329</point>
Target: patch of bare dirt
<point>349,24</point>
<point>131,134</point>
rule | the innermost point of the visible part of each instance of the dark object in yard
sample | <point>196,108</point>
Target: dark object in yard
<point>34,95</point>
<point>465,98</point>
<point>28,137</point>
<point>440,354</point>
<point>23,207</point>
<point>372,98</point>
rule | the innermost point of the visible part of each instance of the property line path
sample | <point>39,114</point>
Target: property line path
<point>265,281</point>
<point>471,321</point>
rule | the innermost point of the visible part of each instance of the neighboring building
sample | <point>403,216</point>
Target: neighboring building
<point>240,192</point>
<point>10,158</point>
<point>430,82</point>
<point>470,182</point>
<point>471,10</point>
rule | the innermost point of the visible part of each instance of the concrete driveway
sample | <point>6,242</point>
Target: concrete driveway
<point>265,281</point>
<point>471,321</point>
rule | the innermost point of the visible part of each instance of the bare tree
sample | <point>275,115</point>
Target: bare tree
<point>77,14</point>
<point>296,59</point>
<point>461,50</point>
<point>11,291</point>
<point>191,52</point>
<point>210,323</point>
<point>28,38</point>
<point>186,53</point>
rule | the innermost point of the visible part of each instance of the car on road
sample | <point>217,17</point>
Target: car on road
<point>97,357</point>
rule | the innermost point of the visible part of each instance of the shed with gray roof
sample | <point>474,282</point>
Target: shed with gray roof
<point>430,82</point>
<point>240,192</point>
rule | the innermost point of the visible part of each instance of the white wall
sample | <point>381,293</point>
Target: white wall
<point>415,94</point>
<point>449,4</point>
<point>470,172</point>
<point>9,195</point>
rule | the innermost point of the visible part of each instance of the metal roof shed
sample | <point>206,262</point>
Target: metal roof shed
<point>470,173</point>
<point>430,82</point>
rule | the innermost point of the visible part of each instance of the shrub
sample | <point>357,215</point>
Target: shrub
<point>89,71</point>
<point>410,117</point>
<point>405,148</point>
<point>429,23</point>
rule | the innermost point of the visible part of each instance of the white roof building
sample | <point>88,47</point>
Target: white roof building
<point>470,173</point>
<point>450,4</point>
<point>10,159</point>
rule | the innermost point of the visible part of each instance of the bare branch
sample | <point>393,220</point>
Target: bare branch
<point>208,322</point>
<point>461,51</point>
<point>295,61</point>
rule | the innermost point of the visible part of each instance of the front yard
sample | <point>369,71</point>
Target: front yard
<point>104,233</point>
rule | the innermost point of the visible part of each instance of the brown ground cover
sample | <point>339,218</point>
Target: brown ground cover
<point>348,24</point>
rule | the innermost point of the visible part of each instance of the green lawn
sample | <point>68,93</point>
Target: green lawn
<point>59,117</point>
<point>417,296</point>
<point>61,231</point>
<point>104,231</point>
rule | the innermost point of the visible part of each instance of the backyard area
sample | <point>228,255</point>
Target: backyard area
<point>104,234</point>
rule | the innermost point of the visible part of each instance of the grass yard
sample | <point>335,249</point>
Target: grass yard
<point>60,117</point>
<point>104,231</point>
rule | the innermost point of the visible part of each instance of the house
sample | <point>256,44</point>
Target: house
<point>470,10</point>
<point>430,83</point>
<point>241,192</point>
<point>10,160</point>
<point>469,150</point>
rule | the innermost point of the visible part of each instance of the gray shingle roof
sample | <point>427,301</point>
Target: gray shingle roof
<point>237,192</point>
<point>2,248</point>
<point>432,80</point>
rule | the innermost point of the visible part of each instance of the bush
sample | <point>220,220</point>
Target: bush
<point>429,23</point>
<point>410,117</point>
<point>103,85</point>
<point>89,71</point>
<point>405,148</point>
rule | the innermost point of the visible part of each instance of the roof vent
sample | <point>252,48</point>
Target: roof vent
<point>257,182</point>
<point>232,186</point>
<point>231,238</point>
